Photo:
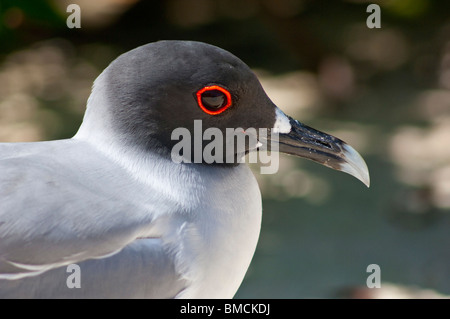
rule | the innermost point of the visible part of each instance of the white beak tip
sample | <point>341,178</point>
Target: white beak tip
<point>355,165</point>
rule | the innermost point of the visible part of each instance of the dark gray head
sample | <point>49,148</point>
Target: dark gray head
<point>153,90</point>
<point>150,91</point>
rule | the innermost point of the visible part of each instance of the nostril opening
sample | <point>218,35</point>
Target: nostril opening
<point>323,143</point>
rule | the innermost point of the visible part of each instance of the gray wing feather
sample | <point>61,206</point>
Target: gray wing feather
<point>53,214</point>
<point>141,270</point>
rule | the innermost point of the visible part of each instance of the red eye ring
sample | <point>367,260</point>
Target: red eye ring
<point>214,88</point>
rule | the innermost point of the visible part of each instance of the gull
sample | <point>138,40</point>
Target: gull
<point>112,202</point>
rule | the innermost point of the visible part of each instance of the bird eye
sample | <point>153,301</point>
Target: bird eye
<point>213,99</point>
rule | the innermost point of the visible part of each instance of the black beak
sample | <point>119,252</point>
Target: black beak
<point>306,142</point>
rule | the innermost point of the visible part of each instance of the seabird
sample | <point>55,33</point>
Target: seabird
<point>113,201</point>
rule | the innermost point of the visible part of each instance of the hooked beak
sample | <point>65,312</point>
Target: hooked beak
<point>303,141</point>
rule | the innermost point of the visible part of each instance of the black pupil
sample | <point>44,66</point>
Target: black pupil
<point>213,99</point>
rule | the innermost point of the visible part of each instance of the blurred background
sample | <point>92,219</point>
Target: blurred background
<point>385,91</point>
